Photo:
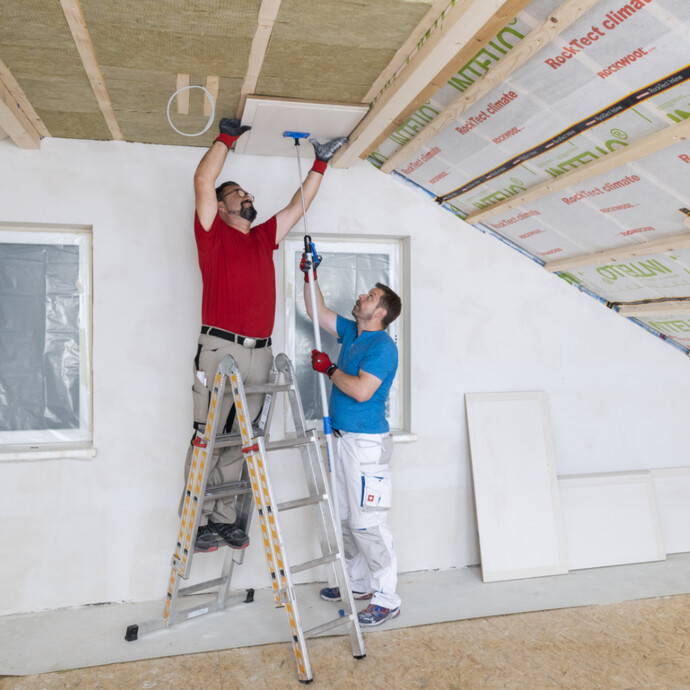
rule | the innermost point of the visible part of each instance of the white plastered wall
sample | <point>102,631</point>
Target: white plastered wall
<point>483,318</point>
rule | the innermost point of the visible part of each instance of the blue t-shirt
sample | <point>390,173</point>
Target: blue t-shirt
<point>376,353</point>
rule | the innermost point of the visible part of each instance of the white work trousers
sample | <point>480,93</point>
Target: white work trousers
<point>364,490</point>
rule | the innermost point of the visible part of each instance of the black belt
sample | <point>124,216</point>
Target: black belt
<point>234,338</point>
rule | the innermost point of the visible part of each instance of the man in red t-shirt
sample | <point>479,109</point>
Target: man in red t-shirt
<point>238,305</point>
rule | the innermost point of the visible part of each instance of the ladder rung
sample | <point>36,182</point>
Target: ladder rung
<point>312,564</point>
<point>227,440</point>
<point>229,489</point>
<point>292,442</point>
<point>329,625</point>
<point>200,586</point>
<point>270,388</point>
<point>300,502</point>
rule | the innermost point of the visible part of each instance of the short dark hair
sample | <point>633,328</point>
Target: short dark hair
<point>219,190</point>
<point>391,303</point>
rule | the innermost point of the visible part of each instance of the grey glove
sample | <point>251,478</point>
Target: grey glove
<point>231,126</point>
<point>324,152</point>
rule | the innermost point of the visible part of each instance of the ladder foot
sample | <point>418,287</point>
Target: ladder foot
<point>360,656</point>
<point>132,633</point>
<point>306,682</point>
<point>250,596</point>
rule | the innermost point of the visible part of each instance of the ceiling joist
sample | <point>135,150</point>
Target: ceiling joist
<point>672,306</point>
<point>638,149</point>
<point>405,50</point>
<point>15,123</point>
<point>464,28</point>
<point>267,18</point>
<point>610,256</point>
<point>17,117</point>
<point>558,21</point>
<point>82,40</point>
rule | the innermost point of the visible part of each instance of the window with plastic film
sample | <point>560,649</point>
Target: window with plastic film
<point>349,268</point>
<point>45,334</point>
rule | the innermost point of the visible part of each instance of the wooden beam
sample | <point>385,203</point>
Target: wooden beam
<point>465,27</point>
<point>638,149</point>
<point>17,93</point>
<point>405,50</point>
<point>212,86</point>
<point>558,21</point>
<point>655,308</point>
<point>183,96</point>
<point>15,123</point>
<point>611,256</point>
<point>77,25</point>
<point>267,17</point>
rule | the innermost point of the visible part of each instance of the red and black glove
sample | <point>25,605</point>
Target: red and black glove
<point>321,362</point>
<point>230,131</point>
<point>324,153</point>
<point>309,259</point>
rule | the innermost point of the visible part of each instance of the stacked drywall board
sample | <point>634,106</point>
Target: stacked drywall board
<point>616,77</point>
<point>532,523</point>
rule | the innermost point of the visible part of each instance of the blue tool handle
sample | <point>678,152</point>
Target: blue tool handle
<point>296,136</point>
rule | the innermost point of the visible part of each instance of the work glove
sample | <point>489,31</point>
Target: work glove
<point>230,130</point>
<point>321,362</point>
<point>309,260</point>
<point>324,152</point>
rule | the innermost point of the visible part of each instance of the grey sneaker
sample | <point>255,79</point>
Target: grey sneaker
<point>234,536</point>
<point>374,615</point>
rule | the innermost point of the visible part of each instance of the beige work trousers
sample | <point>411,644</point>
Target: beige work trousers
<point>226,463</point>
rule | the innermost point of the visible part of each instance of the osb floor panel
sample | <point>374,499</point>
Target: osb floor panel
<point>638,644</point>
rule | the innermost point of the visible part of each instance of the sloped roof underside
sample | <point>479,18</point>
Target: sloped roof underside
<point>608,88</point>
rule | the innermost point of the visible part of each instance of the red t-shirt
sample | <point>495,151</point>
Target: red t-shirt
<point>239,292</point>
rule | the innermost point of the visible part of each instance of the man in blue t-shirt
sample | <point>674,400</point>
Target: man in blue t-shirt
<point>362,379</point>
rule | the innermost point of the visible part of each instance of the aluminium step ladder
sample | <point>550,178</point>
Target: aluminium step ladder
<point>255,487</point>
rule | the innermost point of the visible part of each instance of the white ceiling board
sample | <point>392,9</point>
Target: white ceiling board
<point>270,117</point>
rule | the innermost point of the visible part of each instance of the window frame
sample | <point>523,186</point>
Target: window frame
<point>39,444</point>
<point>397,248</point>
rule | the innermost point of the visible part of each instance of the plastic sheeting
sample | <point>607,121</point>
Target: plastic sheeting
<point>42,321</point>
<point>39,342</point>
<point>344,277</point>
<point>617,74</point>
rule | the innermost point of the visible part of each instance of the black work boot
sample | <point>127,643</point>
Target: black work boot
<point>233,535</point>
<point>206,539</point>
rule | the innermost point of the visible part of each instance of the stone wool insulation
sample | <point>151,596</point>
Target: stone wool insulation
<point>334,50</point>
<point>326,50</point>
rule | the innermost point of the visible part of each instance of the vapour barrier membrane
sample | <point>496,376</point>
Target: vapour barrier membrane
<point>42,314</point>
<point>616,75</point>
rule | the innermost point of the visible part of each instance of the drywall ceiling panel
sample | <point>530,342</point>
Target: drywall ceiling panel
<point>617,75</point>
<point>334,49</point>
<point>269,118</point>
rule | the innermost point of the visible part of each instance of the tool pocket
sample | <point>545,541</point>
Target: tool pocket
<point>376,490</point>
